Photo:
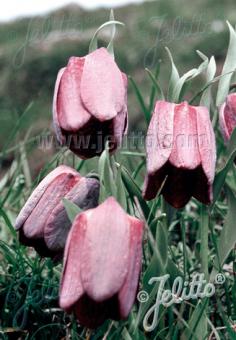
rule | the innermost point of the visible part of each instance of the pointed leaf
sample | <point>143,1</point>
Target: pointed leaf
<point>72,209</point>
<point>186,77</point>
<point>221,175</point>
<point>229,66</point>
<point>210,74</point>
<point>174,76</point>
<point>159,91</point>
<point>110,46</point>
<point>227,238</point>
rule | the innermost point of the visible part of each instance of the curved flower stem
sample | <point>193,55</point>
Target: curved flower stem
<point>93,44</point>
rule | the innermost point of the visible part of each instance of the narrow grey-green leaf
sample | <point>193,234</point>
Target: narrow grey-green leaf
<point>197,323</point>
<point>134,191</point>
<point>210,74</point>
<point>214,80</point>
<point>121,197</point>
<point>153,91</point>
<point>71,209</point>
<point>160,94</point>
<point>202,55</point>
<point>162,243</point>
<point>107,183</point>
<point>191,74</point>
<point>110,46</point>
<point>227,238</point>
<point>229,65</point>
<point>174,76</point>
<point>221,175</point>
<point>139,96</point>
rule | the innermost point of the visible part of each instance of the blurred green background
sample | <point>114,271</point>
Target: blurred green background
<point>32,50</point>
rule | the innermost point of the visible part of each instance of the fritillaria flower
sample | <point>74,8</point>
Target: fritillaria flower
<point>102,263</point>
<point>43,222</point>
<point>90,104</point>
<point>181,154</point>
<point>228,116</point>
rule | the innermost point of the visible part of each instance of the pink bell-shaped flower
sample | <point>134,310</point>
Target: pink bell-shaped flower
<point>102,263</point>
<point>227,118</point>
<point>43,222</point>
<point>181,154</point>
<point>90,104</point>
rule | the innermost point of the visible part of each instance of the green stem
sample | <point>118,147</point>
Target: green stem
<point>183,230</point>
<point>204,225</point>
<point>164,210</point>
<point>204,240</point>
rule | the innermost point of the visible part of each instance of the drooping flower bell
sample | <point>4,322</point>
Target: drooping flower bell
<point>181,154</point>
<point>90,104</point>
<point>227,118</point>
<point>102,263</point>
<point>43,222</point>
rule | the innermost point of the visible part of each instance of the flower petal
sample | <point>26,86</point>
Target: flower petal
<point>39,191</point>
<point>90,140</point>
<point>39,245</point>
<point>207,146</point>
<point>185,152</point>
<point>223,127</point>
<point>120,122</point>
<point>159,144</point>
<point>57,189</point>
<point>102,86</point>
<point>92,314</point>
<point>106,250</point>
<point>71,288</point>
<point>153,182</point>
<point>128,292</point>
<point>179,185</point>
<point>160,136</point>
<point>71,113</point>
<point>227,118</point>
<point>85,195</point>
